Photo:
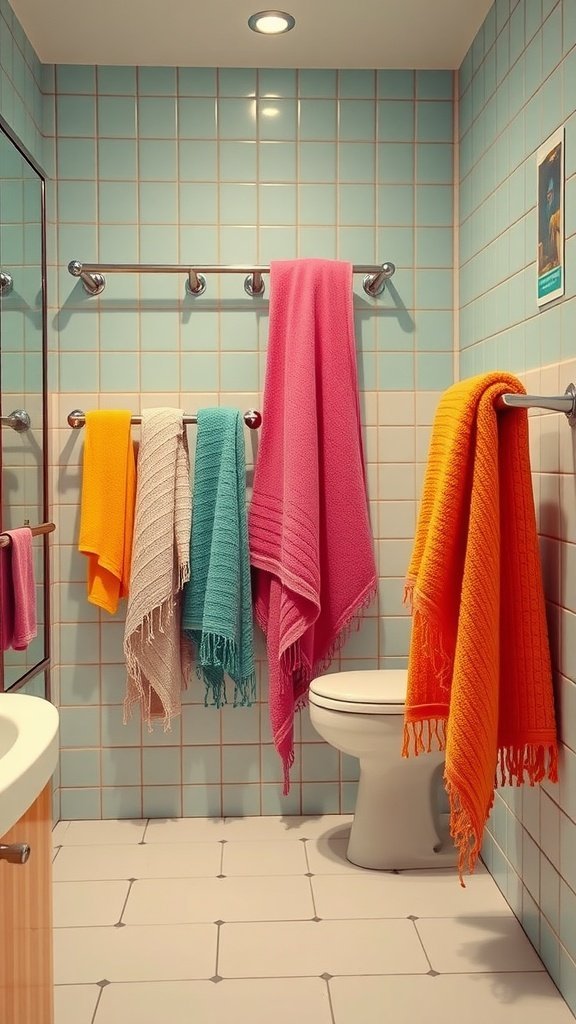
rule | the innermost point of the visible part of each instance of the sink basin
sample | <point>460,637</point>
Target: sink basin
<point>28,753</point>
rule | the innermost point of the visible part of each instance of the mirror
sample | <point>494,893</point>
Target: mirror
<point>22,376</point>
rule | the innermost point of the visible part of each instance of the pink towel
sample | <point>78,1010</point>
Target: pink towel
<point>17,591</point>
<point>310,539</point>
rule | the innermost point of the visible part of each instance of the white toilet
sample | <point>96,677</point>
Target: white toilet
<point>401,818</point>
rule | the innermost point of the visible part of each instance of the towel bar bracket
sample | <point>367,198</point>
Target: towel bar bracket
<point>93,283</point>
<point>565,403</point>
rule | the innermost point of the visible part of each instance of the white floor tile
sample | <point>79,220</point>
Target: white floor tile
<point>276,828</point>
<point>166,901</point>
<point>264,858</point>
<point>58,832</point>
<point>309,948</point>
<point>423,894</point>
<point>86,904</point>
<point>522,998</point>
<point>184,830</point>
<point>462,945</point>
<point>174,952</point>
<point>74,1004</point>
<point>245,1002</point>
<point>87,833</point>
<point>150,860</point>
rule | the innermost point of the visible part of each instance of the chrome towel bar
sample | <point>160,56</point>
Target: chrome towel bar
<point>565,403</point>
<point>252,418</point>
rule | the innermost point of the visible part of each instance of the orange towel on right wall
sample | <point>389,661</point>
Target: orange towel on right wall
<point>479,678</point>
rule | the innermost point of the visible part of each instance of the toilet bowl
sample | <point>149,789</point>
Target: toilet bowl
<point>400,819</point>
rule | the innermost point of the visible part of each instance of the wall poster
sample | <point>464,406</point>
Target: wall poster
<point>550,171</point>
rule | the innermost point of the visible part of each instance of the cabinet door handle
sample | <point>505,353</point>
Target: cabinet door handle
<point>15,853</point>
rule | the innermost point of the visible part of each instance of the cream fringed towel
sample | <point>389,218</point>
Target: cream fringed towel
<point>158,657</point>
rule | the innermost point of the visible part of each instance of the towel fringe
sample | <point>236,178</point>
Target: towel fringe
<point>218,655</point>
<point>426,734</point>
<point>529,762</point>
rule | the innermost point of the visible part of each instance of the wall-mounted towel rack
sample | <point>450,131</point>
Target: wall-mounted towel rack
<point>565,403</point>
<point>252,418</point>
<point>36,531</point>
<point>18,419</point>
<point>92,275</point>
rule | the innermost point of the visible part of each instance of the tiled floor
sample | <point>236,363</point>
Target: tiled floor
<point>264,919</point>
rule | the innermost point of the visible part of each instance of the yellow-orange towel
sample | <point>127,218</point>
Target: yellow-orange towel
<point>479,679</point>
<point>107,513</point>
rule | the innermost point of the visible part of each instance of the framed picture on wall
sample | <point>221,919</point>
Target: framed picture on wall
<point>550,183</point>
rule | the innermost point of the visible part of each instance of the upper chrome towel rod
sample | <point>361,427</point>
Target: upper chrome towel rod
<point>252,418</point>
<point>565,403</point>
<point>92,275</point>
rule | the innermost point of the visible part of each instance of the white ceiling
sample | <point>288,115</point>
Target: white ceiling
<point>328,33</point>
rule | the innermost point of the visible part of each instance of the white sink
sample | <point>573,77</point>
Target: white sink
<point>28,753</point>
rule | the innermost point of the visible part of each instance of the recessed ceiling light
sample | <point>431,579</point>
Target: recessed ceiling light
<point>271,23</point>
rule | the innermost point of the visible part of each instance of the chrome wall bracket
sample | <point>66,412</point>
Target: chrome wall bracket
<point>195,283</point>
<point>93,284</point>
<point>6,283</point>
<point>374,284</point>
<point>18,419</point>
<point>254,285</point>
<point>565,403</point>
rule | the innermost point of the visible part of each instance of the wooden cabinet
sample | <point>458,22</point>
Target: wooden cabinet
<point>26,974</point>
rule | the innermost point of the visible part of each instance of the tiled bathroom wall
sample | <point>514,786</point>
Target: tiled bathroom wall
<point>517,85</point>
<point>235,166</point>
<point>21,82</point>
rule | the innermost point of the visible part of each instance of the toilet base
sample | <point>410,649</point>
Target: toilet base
<point>387,834</point>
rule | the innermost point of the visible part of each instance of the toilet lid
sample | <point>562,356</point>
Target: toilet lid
<point>377,692</point>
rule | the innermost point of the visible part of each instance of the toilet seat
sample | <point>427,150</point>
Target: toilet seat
<point>376,692</point>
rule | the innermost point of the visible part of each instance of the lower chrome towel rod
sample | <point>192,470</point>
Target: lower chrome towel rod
<point>565,403</point>
<point>252,418</point>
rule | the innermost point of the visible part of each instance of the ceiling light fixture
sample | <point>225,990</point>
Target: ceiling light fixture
<point>271,23</point>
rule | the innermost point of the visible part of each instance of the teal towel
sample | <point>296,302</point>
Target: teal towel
<point>217,606</point>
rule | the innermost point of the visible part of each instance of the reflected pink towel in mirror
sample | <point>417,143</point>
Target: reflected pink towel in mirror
<point>17,591</point>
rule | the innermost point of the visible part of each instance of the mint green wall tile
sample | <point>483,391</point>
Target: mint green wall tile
<point>396,245</point>
<point>239,372</point>
<point>117,116</point>
<point>121,766</point>
<point>318,242</point>
<point>75,238</point>
<point>197,118</point>
<point>356,244</point>
<point>80,804</point>
<point>318,119</point>
<point>197,81</point>
<point>201,801</point>
<point>356,119</point>
<point>395,371</point>
<point>199,371</point>
<point>434,121</point>
<point>199,242</point>
<point>533,18</point>
<point>434,85</point>
<point>434,205</point>
<point>317,204</point>
<point>395,162</point>
<point>434,330</point>
<point>395,120</point>
<point>237,204</point>
<point>158,202</point>
<point>277,161</point>
<point>76,201</point>
<point>236,119</point>
<point>434,247</point>
<point>116,81</point>
<point>156,81</point>
<point>533,65</point>
<point>119,371</point>
<point>79,684</point>
<point>158,243</point>
<point>552,106</point>
<point>71,340</point>
<point>569,74</point>
<point>80,727</point>
<point>119,329</point>
<point>75,78</point>
<point>552,41</point>
<point>516,32</point>
<point>198,203</point>
<point>503,53</point>
<point>161,767</point>
<point>569,27</point>
<point>357,84</point>
<point>200,331</point>
<point>357,161</point>
<point>117,244</point>
<point>157,117</point>
<point>277,204</point>
<point>80,768</point>
<point>277,243</point>
<point>395,333</point>
<point>159,371</point>
<point>276,82</point>
<point>117,202</point>
<point>313,82</point>
<point>317,161</point>
<point>157,160</point>
<point>434,370</point>
<point>197,160</point>
<point>357,204</point>
<point>396,204</point>
<point>117,159</point>
<point>162,801</point>
<point>395,84</point>
<point>76,115</point>
<point>237,81</point>
<point>434,289</point>
<point>547,7</point>
<point>237,161</point>
<point>201,765</point>
<point>78,372</point>
<point>435,163</point>
<point>158,331</point>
